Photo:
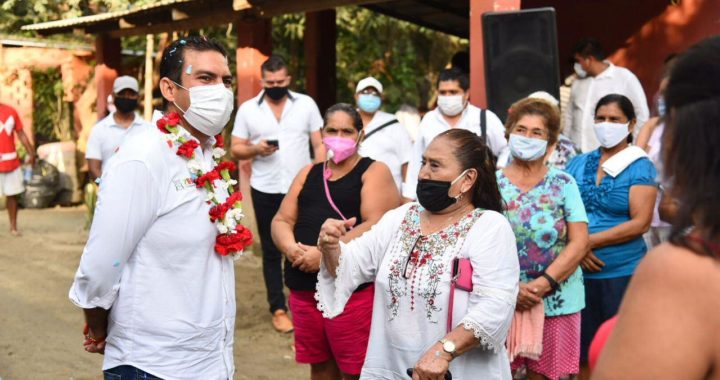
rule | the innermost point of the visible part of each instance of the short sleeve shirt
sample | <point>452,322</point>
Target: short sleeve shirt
<point>539,219</point>
<point>255,121</point>
<point>391,145</point>
<point>9,124</point>
<point>607,205</point>
<point>107,136</point>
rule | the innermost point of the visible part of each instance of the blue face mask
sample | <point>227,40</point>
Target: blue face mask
<point>527,148</point>
<point>369,103</point>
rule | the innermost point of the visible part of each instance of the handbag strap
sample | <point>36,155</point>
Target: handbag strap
<point>378,129</point>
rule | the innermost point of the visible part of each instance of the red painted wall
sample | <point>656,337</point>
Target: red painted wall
<point>637,34</point>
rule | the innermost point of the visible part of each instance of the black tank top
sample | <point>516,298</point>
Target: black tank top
<point>314,209</point>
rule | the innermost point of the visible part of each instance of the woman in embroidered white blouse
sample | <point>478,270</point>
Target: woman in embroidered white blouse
<point>408,255</point>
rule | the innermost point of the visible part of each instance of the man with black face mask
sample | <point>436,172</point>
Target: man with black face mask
<point>274,130</point>
<point>108,133</point>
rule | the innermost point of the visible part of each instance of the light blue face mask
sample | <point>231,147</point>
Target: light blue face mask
<point>527,148</point>
<point>369,103</point>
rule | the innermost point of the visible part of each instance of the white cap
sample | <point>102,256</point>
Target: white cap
<point>543,95</point>
<point>369,82</point>
<point>125,82</point>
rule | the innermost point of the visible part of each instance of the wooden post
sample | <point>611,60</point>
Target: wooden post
<point>254,46</point>
<point>107,55</point>
<point>147,102</point>
<point>320,72</point>
<point>478,96</point>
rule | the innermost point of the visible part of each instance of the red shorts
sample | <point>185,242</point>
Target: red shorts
<point>343,338</point>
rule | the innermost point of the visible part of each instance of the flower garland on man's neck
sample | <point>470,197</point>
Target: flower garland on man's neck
<point>232,236</point>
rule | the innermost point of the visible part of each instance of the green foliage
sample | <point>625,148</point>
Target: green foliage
<point>47,105</point>
<point>405,57</point>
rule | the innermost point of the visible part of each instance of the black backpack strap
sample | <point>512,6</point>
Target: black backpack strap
<point>389,123</point>
<point>483,126</point>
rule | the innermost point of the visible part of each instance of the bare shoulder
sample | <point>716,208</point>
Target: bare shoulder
<point>377,169</point>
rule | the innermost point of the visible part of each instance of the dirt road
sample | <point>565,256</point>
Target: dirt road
<point>40,330</point>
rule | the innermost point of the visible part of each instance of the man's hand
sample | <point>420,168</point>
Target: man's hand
<point>94,341</point>
<point>527,297</point>
<point>31,159</point>
<point>309,261</point>
<point>264,149</point>
<point>591,263</point>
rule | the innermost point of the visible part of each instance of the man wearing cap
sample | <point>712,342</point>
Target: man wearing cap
<point>107,135</point>
<point>11,179</point>
<point>275,130</point>
<point>386,140</point>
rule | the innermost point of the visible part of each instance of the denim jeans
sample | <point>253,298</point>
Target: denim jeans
<point>126,372</point>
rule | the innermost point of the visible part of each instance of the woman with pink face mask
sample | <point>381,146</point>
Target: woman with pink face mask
<point>345,186</point>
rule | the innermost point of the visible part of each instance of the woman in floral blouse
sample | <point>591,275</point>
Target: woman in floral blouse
<point>408,255</point>
<point>549,221</point>
<point>618,188</point>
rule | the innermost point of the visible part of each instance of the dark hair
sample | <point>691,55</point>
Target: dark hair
<point>273,64</point>
<point>472,153</point>
<point>173,56</point>
<point>349,110</point>
<point>454,74</point>
<point>590,47</point>
<point>539,107</point>
<point>461,60</point>
<point>691,140</point>
<point>623,103</point>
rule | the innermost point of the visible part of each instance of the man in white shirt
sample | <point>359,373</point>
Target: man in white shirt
<point>275,130</point>
<point>595,79</point>
<point>385,139</point>
<point>453,111</point>
<point>158,300</point>
<point>107,135</point>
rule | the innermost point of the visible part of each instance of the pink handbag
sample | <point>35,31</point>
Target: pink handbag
<point>461,279</point>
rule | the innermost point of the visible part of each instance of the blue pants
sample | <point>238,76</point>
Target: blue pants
<point>126,372</point>
<point>602,301</point>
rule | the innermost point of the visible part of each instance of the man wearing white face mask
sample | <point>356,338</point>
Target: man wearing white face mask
<point>159,301</point>
<point>453,111</point>
<point>385,139</point>
<point>597,78</point>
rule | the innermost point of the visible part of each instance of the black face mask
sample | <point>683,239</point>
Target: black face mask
<point>276,93</point>
<point>433,195</point>
<point>125,105</point>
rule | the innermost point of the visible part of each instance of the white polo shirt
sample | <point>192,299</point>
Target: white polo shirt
<point>107,135</point>
<point>391,145</point>
<point>255,121</point>
<point>150,259</point>
<point>433,123</point>
<point>579,115</point>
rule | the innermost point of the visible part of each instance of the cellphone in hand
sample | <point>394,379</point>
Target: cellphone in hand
<point>274,143</point>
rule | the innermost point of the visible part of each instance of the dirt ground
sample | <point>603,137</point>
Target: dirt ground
<point>40,329</point>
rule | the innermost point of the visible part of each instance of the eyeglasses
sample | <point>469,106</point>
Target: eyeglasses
<point>413,259</point>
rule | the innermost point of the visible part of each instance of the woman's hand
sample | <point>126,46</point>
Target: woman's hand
<point>331,232</point>
<point>308,260</point>
<point>591,263</point>
<point>433,364</point>
<point>527,297</point>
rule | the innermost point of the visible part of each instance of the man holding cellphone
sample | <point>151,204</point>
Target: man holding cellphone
<point>274,130</point>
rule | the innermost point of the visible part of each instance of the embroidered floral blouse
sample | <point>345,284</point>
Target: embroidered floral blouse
<point>412,278</point>
<point>539,218</point>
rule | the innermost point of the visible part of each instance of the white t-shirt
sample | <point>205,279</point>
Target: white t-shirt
<point>391,145</point>
<point>255,121</point>
<point>434,123</point>
<point>150,259</point>
<point>107,135</point>
<point>579,115</point>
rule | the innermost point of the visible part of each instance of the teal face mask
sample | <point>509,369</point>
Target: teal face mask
<point>369,103</point>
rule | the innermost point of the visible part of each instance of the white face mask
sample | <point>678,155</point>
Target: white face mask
<point>451,105</point>
<point>527,148</point>
<point>579,70</point>
<point>611,134</point>
<point>210,108</point>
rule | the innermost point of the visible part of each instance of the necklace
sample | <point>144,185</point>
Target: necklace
<point>226,214</point>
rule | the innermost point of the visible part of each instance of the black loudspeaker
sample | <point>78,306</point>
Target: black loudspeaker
<point>521,56</point>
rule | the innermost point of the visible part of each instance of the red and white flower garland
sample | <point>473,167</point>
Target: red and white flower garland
<point>232,236</point>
